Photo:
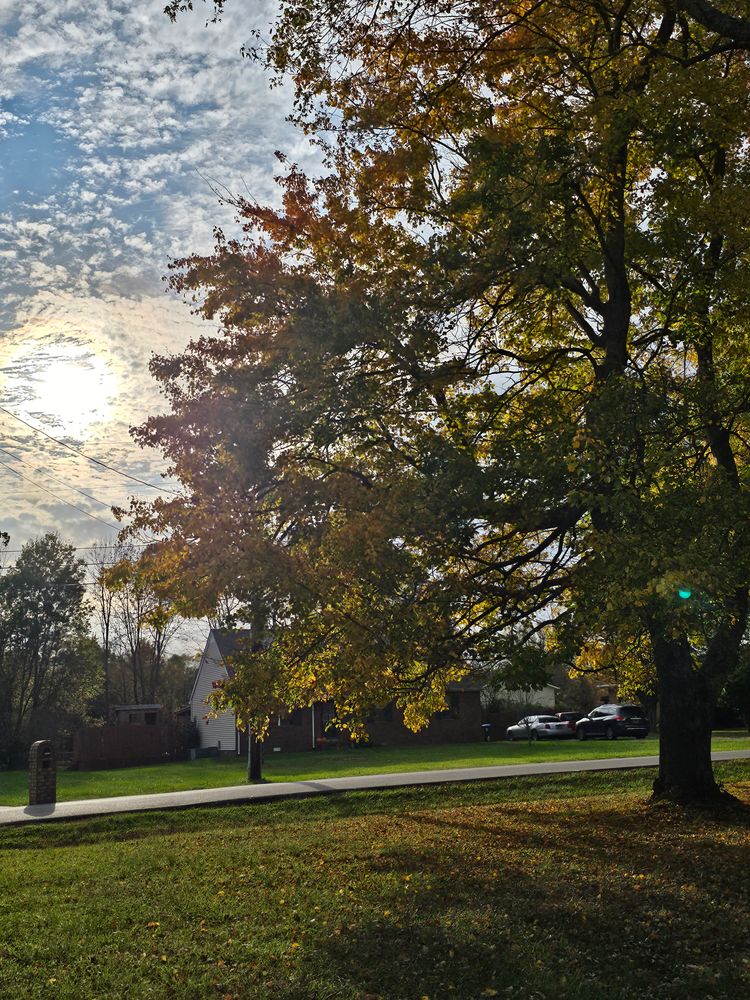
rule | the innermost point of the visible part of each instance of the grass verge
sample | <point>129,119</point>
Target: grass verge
<point>219,772</point>
<point>529,888</point>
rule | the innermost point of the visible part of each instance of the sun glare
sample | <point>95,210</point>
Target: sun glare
<point>64,388</point>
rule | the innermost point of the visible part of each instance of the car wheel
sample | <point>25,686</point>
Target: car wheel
<point>610,733</point>
<point>580,733</point>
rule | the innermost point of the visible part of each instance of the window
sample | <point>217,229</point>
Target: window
<point>327,725</point>
<point>150,718</point>
<point>133,718</point>
<point>631,712</point>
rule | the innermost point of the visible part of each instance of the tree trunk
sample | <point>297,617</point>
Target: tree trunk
<point>686,707</point>
<point>254,758</point>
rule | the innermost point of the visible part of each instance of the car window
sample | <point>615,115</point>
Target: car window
<point>596,714</point>
<point>548,718</point>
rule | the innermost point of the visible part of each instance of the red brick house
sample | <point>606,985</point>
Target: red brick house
<point>310,728</point>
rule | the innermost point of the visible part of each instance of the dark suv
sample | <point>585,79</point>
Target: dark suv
<point>611,721</point>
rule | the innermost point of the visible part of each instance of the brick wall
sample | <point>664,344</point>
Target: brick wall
<point>462,723</point>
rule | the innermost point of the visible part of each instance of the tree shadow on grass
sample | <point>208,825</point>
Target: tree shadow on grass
<point>666,916</point>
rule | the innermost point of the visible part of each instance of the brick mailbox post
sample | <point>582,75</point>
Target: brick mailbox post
<point>42,773</point>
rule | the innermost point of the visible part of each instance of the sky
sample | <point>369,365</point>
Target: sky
<point>116,128</point>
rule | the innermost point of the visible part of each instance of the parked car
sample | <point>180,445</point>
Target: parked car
<point>571,718</point>
<point>538,727</point>
<point>611,721</point>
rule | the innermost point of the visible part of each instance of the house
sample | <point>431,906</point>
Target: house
<point>220,731</point>
<point>312,727</point>
<point>543,697</point>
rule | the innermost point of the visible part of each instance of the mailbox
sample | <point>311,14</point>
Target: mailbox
<point>42,773</point>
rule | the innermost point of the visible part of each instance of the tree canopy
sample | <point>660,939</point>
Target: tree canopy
<point>489,372</point>
<point>48,662</point>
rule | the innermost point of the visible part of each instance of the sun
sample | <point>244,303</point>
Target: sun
<point>65,388</point>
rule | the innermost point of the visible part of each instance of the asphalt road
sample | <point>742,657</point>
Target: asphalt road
<point>236,794</point>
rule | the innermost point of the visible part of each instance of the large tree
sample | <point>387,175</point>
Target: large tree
<point>489,372</point>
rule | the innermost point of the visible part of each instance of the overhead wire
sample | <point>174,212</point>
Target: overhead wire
<point>84,548</point>
<point>57,479</point>
<point>60,499</point>
<point>89,458</point>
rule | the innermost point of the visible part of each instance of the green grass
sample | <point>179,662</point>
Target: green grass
<point>529,888</point>
<point>220,772</point>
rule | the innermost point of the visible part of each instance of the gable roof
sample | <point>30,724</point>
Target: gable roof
<point>227,639</point>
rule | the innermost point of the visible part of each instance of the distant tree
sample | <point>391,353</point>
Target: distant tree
<point>175,683</point>
<point>136,621</point>
<point>736,694</point>
<point>48,661</point>
<point>103,557</point>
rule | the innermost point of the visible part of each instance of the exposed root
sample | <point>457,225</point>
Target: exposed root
<point>716,802</point>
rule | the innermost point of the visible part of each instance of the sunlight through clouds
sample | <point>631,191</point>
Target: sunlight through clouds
<point>117,126</point>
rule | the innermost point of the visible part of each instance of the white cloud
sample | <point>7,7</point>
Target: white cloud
<point>131,122</point>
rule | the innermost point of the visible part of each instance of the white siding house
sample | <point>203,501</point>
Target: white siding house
<point>218,731</point>
<point>543,697</point>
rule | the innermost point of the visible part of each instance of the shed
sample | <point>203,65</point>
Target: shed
<point>136,715</point>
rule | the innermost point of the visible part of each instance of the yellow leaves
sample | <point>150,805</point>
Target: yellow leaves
<point>152,923</point>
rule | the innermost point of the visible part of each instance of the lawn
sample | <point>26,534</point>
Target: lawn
<point>530,888</point>
<point>220,772</point>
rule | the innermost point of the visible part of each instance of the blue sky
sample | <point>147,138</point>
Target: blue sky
<point>114,124</point>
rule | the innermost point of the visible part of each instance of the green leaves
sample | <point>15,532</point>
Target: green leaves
<point>487,370</point>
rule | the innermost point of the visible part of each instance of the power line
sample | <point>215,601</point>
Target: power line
<point>59,499</point>
<point>96,461</point>
<point>57,479</point>
<point>86,548</point>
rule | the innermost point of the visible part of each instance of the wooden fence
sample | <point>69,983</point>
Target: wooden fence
<point>125,746</point>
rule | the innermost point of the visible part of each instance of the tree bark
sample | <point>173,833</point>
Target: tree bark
<point>254,758</point>
<point>687,702</point>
